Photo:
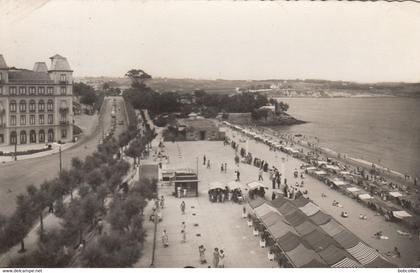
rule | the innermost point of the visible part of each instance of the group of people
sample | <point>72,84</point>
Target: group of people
<point>218,257</point>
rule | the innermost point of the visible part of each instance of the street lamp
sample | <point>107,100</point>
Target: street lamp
<point>59,152</point>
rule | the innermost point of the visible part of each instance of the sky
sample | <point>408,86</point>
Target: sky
<point>351,41</point>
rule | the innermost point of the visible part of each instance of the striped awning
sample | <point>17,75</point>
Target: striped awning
<point>310,209</point>
<point>363,253</point>
<point>346,263</point>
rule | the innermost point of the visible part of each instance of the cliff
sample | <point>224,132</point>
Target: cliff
<point>266,119</point>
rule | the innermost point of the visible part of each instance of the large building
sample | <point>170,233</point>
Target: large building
<point>36,105</point>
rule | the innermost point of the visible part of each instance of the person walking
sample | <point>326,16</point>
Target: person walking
<point>215,257</point>
<point>238,175</point>
<point>273,196</point>
<point>183,226</point>
<point>221,259</point>
<point>162,202</point>
<point>260,175</point>
<point>204,160</point>
<point>183,207</point>
<point>273,182</point>
<point>184,236</point>
<point>165,239</point>
<point>278,180</point>
<point>202,253</point>
<point>225,167</point>
<point>221,168</point>
<point>208,164</point>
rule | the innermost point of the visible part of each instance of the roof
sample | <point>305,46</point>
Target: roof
<point>216,185</point>
<point>24,75</point>
<point>60,63</point>
<point>332,227</point>
<point>289,241</point>
<point>40,67</point>
<point>346,239</point>
<point>253,203</point>
<point>300,202</point>
<point>3,64</point>
<point>320,218</point>
<point>363,253</point>
<point>310,209</point>
<point>287,208</point>
<point>279,229</point>
<point>319,240</point>
<point>271,218</point>
<point>296,218</point>
<point>263,210</point>
<point>305,228</point>
<point>279,201</point>
<point>301,255</point>
<point>332,254</point>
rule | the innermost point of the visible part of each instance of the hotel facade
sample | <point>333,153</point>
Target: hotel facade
<point>36,105</point>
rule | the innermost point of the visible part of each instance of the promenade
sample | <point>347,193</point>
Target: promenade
<point>220,225</point>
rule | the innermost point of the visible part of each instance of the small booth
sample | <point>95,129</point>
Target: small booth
<point>217,192</point>
<point>256,189</point>
<point>186,184</point>
<point>235,192</point>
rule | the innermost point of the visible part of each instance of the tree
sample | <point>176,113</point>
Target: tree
<point>94,179</point>
<point>39,200</point>
<point>86,92</point>
<point>138,77</point>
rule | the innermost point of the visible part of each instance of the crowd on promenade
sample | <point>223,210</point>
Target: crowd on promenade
<point>367,186</point>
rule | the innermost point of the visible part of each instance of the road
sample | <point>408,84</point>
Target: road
<point>16,176</point>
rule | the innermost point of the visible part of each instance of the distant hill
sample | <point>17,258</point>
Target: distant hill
<point>273,87</point>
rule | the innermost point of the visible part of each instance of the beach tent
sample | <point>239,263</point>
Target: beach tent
<point>255,185</point>
<point>318,240</point>
<point>353,189</point>
<point>301,255</point>
<point>320,173</point>
<point>320,218</point>
<point>332,227</point>
<point>254,203</point>
<point>380,262</point>
<point>305,228</point>
<point>365,196</point>
<point>315,263</point>
<point>346,263</point>
<point>395,194</point>
<point>271,218</point>
<point>363,253</point>
<point>332,167</point>
<point>338,182</point>
<point>262,210</point>
<point>300,202</point>
<point>296,218</point>
<point>279,229</point>
<point>287,208</point>
<point>279,201</point>
<point>401,214</point>
<point>311,169</point>
<point>216,185</point>
<point>234,185</point>
<point>346,239</point>
<point>332,254</point>
<point>310,209</point>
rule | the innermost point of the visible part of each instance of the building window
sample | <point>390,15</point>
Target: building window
<point>41,90</point>
<point>22,137</point>
<point>63,118</point>
<point>32,106</point>
<point>22,90</point>
<point>22,106</point>
<point>41,106</point>
<point>32,136</point>
<point>63,90</point>
<point>1,136</point>
<point>50,105</point>
<point>22,120</point>
<point>1,76</point>
<point>32,119</point>
<point>41,119</point>
<point>41,136</point>
<point>63,78</point>
<point>13,137</point>
<point>63,133</point>
<point>49,90</point>
<point>12,90</point>
<point>12,106</point>
<point>13,120</point>
<point>32,90</point>
<point>1,89</point>
<point>50,135</point>
<point>50,119</point>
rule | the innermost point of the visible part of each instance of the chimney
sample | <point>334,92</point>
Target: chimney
<point>40,67</point>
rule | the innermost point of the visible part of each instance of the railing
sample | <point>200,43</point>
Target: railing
<point>63,82</point>
<point>64,122</point>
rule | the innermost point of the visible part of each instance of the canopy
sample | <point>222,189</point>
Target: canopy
<point>296,218</point>
<point>332,228</point>
<point>319,240</point>
<point>315,263</point>
<point>305,228</point>
<point>289,241</point>
<point>346,239</point>
<point>310,209</point>
<point>353,189</point>
<point>338,182</point>
<point>401,214</point>
<point>320,218</point>
<point>254,203</point>
<point>311,168</point>
<point>395,194</point>
<point>346,263</point>
<point>216,185</point>
<point>320,173</point>
<point>254,185</point>
<point>263,210</point>
<point>301,255</point>
<point>363,253</point>
<point>286,208</point>
<point>300,202</point>
<point>271,218</point>
<point>365,196</point>
<point>279,201</point>
<point>279,229</point>
<point>332,167</point>
<point>332,254</point>
<point>380,262</point>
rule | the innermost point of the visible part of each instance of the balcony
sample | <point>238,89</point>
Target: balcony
<point>64,122</point>
<point>63,82</point>
<point>63,109</point>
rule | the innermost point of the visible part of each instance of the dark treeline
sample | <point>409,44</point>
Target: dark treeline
<point>101,222</point>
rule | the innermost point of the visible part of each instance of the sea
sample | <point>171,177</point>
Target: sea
<point>384,131</point>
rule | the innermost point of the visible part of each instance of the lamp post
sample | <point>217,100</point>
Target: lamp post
<point>16,149</point>
<point>60,158</point>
